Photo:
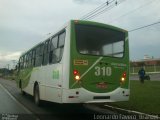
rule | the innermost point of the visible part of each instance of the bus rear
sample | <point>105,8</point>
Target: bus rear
<point>99,63</point>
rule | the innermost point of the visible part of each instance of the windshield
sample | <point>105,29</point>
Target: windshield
<point>93,40</point>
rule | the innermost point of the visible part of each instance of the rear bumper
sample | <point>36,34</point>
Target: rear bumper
<point>85,96</point>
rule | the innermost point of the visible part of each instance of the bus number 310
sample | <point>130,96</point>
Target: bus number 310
<point>104,71</point>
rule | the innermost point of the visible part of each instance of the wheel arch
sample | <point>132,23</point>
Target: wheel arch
<point>36,91</point>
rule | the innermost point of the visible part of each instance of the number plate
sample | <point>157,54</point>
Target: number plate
<point>101,85</point>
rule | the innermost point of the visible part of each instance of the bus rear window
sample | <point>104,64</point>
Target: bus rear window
<point>93,40</point>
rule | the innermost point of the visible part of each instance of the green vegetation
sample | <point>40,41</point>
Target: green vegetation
<point>143,98</point>
<point>10,77</point>
<point>8,74</point>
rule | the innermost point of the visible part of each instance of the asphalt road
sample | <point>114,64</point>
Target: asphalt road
<point>16,106</point>
<point>9,104</point>
<point>10,108</point>
<point>23,105</point>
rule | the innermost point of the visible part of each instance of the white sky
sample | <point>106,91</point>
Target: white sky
<point>24,23</point>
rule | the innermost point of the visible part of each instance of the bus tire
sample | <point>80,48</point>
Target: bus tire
<point>36,95</point>
<point>20,86</point>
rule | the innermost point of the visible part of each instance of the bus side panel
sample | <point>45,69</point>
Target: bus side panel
<point>53,85</point>
<point>41,77</point>
<point>29,88</point>
<point>66,59</point>
<point>37,75</point>
<point>60,74</point>
<point>66,63</point>
<point>26,76</point>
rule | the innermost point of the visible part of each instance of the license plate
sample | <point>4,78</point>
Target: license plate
<point>101,85</point>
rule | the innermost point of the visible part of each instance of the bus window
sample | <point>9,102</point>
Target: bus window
<point>107,50</point>
<point>46,53</point>
<point>118,48</point>
<point>33,57</point>
<point>93,40</point>
<point>59,51</point>
<point>55,56</point>
<point>22,62</point>
<point>61,39</point>
<point>41,53</point>
<point>56,52</point>
<point>38,57</point>
<point>25,61</point>
<point>113,49</point>
<point>30,59</point>
<point>53,46</point>
<point>20,59</point>
<point>61,44</point>
<point>54,42</point>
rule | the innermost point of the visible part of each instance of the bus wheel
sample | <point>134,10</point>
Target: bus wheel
<point>36,95</point>
<point>20,86</point>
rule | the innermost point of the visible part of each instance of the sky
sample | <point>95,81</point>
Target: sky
<point>24,23</point>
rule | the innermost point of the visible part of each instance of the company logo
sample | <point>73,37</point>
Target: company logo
<point>55,74</point>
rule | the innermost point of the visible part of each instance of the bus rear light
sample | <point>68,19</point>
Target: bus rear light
<point>75,72</point>
<point>123,78</point>
<point>124,74</point>
<point>77,77</point>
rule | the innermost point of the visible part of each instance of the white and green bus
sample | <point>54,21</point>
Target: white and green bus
<point>84,62</point>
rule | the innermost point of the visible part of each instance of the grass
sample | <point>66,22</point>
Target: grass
<point>143,97</point>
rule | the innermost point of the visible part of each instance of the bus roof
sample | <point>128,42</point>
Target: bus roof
<point>99,24</point>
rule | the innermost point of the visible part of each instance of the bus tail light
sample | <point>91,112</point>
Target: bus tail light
<point>76,75</point>
<point>75,72</point>
<point>123,78</point>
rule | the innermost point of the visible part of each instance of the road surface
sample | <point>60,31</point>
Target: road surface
<point>18,104</point>
<point>19,107</point>
<point>10,108</point>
